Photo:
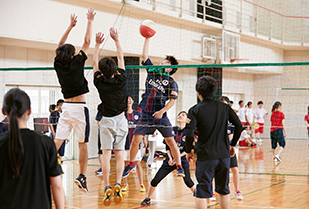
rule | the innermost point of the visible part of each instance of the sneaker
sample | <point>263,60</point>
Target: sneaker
<point>180,172</point>
<point>98,172</point>
<point>238,195</point>
<point>142,188</point>
<point>117,194</point>
<point>125,188</point>
<point>278,158</point>
<point>107,196</point>
<point>213,198</point>
<point>254,140</point>
<point>146,201</point>
<point>80,181</point>
<point>127,170</point>
<point>259,140</point>
<point>275,160</point>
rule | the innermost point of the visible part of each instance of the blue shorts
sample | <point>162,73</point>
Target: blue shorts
<point>149,124</point>
<point>206,170</point>
<point>277,137</point>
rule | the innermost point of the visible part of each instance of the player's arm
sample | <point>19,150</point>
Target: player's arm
<point>283,127</point>
<point>307,124</point>
<point>57,190</point>
<point>169,105</point>
<point>64,37</point>
<point>115,37</point>
<point>52,130</point>
<point>98,41</point>
<point>87,39</point>
<point>145,49</point>
<point>191,125</point>
<point>233,118</point>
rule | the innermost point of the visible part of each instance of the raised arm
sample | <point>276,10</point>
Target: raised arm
<point>115,37</point>
<point>99,38</point>
<point>87,40</point>
<point>68,30</point>
<point>145,49</point>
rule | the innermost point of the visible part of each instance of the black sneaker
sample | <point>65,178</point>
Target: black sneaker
<point>180,172</point>
<point>80,181</point>
<point>146,201</point>
<point>127,170</point>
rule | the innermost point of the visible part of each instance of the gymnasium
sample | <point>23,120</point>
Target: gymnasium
<point>256,50</point>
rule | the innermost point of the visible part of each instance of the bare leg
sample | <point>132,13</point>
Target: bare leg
<point>125,179</point>
<point>150,191</point>
<point>279,150</point>
<point>235,178</point>
<point>152,149</point>
<point>137,138</point>
<point>174,149</point>
<point>119,165</point>
<point>83,157</point>
<point>200,203</point>
<point>274,152</point>
<point>106,157</point>
<point>224,201</point>
<point>139,171</point>
<point>100,158</point>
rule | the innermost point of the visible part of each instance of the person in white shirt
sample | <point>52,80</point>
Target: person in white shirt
<point>242,112</point>
<point>260,115</point>
<point>249,114</point>
<point>245,139</point>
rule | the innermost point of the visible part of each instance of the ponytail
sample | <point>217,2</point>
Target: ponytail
<point>15,103</point>
<point>16,147</point>
<point>276,106</point>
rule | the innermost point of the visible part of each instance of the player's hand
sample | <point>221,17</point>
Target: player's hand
<point>284,134</point>
<point>232,151</point>
<point>158,114</point>
<point>99,38</point>
<point>90,14</point>
<point>171,162</point>
<point>190,156</point>
<point>73,20</point>
<point>113,33</point>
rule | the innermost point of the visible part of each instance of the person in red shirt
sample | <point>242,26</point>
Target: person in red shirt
<point>307,123</point>
<point>277,131</point>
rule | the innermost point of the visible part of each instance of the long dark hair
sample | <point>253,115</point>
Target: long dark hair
<point>15,103</point>
<point>275,106</point>
<point>308,109</point>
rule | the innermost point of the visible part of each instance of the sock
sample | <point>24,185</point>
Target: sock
<point>82,175</point>
<point>131,163</point>
<point>178,166</point>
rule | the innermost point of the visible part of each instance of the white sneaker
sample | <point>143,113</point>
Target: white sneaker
<point>213,198</point>
<point>275,160</point>
<point>278,158</point>
<point>238,195</point>
<point>259,140</point>
<point>254,140</point>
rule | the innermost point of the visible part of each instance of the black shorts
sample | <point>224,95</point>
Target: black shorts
<point>62,148</point>
<point>233,162</point>
<point>205,172</point>
<point>149,124</point>
<point>277,137</point>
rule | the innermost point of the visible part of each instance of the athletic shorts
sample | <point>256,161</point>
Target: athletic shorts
<point>114,132</point>
<point>250,127</point>
<point>99,143</point>
<point>277,137</point>
<point>233,161</point>
<point>74,116</point>
<point>61,149</point>
<point>149,124</point>
<point>126,155</point>
<point>260,129</point>
<point>206,170</point>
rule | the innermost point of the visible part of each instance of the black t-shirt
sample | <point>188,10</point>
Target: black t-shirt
<point>71,76</point>
<point>113,93</point>
<point>180,138</point>
<point>32,189</point>
<point>211,119</point>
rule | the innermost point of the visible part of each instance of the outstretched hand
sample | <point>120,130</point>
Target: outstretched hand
<point>90,14</point>
<point>232,151</point>
<point>114,34</point>
<point>99,38</point>
<point>73,20</point>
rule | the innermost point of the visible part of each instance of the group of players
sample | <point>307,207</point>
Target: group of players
<point>209,118</point>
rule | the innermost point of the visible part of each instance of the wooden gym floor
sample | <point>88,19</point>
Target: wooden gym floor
<point>263,184</point>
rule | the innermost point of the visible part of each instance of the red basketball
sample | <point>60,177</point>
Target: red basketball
<point>147,28</point>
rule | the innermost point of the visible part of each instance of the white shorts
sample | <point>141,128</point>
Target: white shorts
<point>113,132</point>
<point>76,116</point>
<point>126,155</point>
